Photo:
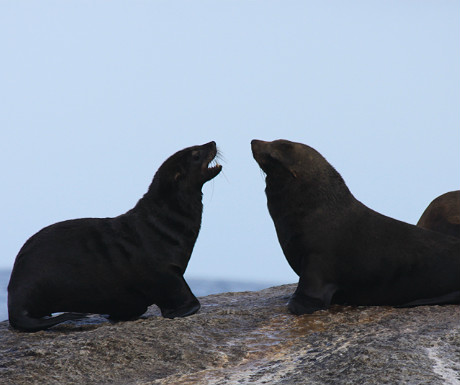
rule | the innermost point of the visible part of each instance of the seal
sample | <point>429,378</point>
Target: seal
<point>117,266</point>
<point>342,251</point>
<point>443,214</point>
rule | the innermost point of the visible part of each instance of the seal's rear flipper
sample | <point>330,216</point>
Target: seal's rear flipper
<point>450,298</point>
<point>26,323</point>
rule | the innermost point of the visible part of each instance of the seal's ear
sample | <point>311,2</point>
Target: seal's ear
<point>293,173</point>
<point>177,176</point>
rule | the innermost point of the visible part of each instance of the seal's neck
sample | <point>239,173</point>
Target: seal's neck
<point>174,220</point>
<point>325,192</point>
<point>182,202</point>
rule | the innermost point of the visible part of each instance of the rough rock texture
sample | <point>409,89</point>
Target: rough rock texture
<point>240,338</point>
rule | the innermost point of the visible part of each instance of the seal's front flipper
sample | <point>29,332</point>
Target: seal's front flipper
<point>450,298</point>
<point>301,304</point>
<point>183,311</point>
<point>307,300</point>
<point>180,301</point>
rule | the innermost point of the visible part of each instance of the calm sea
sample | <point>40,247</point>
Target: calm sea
<point>4,278</point>
<point>200,288</point>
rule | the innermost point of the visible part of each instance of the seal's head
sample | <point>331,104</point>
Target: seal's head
<point>297,167</point>
<point>190,168</point>
<point>443,214</point>
<point>282,159</point>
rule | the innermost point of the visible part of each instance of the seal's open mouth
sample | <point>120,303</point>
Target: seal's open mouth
<point>211,167</point>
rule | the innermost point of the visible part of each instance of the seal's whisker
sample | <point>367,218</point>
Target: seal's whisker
<point>225,175</point>
<point>220,156</point>
<point>212,190</point>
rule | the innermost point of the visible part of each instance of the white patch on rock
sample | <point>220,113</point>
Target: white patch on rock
<point>444,367</point>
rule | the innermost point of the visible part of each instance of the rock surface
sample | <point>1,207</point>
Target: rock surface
<point>240,338</point>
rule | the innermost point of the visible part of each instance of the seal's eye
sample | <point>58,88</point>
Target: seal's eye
<point>196,156</point>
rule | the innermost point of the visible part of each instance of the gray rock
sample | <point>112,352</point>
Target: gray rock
<point>240,338</point>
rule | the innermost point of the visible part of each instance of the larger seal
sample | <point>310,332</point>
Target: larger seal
<point>117,266</point>
<point>344,252</point>
<point>443,214</point>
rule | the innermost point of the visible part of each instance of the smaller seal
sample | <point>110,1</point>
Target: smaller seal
<point>117,266</point>
<point>443,214</point>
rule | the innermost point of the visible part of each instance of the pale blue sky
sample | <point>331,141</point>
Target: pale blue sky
<point>95,95</point>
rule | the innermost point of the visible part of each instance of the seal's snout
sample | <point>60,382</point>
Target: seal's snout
<point>260,150</point>
<point>256,145</point>
<point>211,151</point>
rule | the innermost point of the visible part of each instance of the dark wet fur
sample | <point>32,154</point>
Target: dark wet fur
<point>117,266</point>
<point>344,252</point>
